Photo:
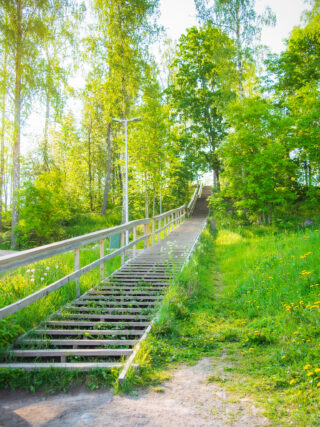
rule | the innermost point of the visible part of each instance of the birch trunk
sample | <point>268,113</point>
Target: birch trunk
<point>3,124</point>
<point>16,127</point>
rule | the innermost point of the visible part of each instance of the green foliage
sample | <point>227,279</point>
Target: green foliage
<point>259,172</point>
<point>45,208</point>
<point>202,86</point>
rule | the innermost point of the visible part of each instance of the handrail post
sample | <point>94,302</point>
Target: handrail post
<point>153,230</point>
<point>101,256</point>
<point>159,233</point>
<point>148,232</point>
<point>145,233</point>
<point>76,268</point>
<point>122,243</point>
<point>134,238</point>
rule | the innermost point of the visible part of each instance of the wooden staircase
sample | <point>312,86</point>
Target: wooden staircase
<point>104,327</point>
<point>104,324</point>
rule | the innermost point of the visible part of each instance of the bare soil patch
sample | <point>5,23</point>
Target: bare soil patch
<point>188,399</point>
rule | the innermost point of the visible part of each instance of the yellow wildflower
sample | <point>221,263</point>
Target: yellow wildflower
<point>306,367</point>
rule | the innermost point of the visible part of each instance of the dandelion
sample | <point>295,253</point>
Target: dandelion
<point>283,357</point>
<point>292,382</point>
<point>309,374</point>
<point>317,370</point>
<point>306,367</point>
<point>318,385</point>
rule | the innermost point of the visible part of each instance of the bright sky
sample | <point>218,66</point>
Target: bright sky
<point>177,15</point>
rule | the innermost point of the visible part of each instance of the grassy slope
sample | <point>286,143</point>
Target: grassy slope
<point>254,296</point>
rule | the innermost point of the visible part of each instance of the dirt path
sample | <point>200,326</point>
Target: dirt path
<point>186,400</point>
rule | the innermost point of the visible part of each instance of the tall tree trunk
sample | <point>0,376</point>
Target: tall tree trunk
<point>154,200</point>
<point>108,171</point>
<point>239,53</point>
<point>146,198</point>
<point>89,166</point>
<point>216,179</point>
<point>16,127</point>
<point>3,124</point>
<point>46,135</point>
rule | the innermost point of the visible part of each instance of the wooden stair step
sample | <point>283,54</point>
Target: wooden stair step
<point>83,342</point>
<point>87,332</point>
<point>120,298</point>
<point>77,324</point>
<point>69,352</point>
<point>108,310</point>
<point>104,317</point>
<point>131,293</point>
<point>81,366</point>
<point>116,304</point>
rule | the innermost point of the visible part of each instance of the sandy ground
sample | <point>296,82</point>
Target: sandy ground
<point>185,400</point>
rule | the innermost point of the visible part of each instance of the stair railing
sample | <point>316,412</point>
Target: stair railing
<point>165,222</point>
<point>196,195</point>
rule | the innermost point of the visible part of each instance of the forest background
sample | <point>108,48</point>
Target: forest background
<point>217,102</point>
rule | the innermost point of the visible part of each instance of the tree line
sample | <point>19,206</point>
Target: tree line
<point>226,106</point>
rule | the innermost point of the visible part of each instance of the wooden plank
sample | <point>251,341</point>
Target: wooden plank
<point>84,366</point>
<point>79,342</point>
<point>69,352</point>
<point>88,323</point>
<point>119,304</point>
<point>121,298</point>
<point>130,360</point>
<point>165,214</point>
<point>30,256</point>
<point>108,310</point>
<point>25,302</point>
<point>101,256</point>
<point>76,268</point>
<point>87,332</point>
<point>105,317</point>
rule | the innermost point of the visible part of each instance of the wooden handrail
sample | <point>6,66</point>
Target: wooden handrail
<point>165,214</point>
<point>19,305</point>
<point>19,259</point>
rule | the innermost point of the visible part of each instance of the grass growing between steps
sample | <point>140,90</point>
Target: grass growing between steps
<point>253,296</point>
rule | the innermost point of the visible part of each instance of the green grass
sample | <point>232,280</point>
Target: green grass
<point>251,294</point>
